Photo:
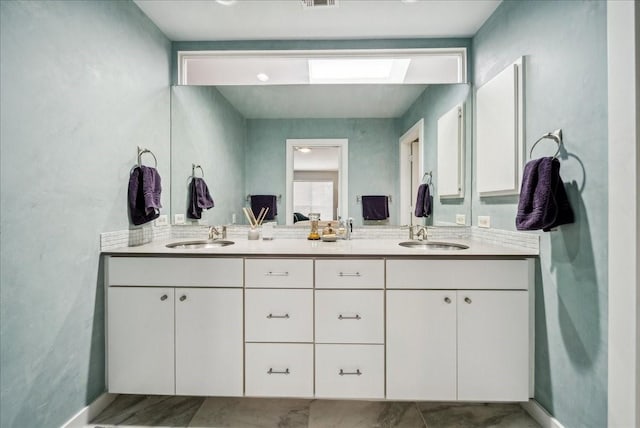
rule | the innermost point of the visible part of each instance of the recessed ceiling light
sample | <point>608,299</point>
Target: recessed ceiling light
<point>262,77</point>
<point>303,149</point>
<point>358,70</point>
<point>226,2</point>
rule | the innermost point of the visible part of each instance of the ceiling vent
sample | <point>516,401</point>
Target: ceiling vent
<point>308,4</point>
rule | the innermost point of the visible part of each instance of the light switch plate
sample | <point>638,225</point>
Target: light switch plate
<point>484,221</point>
<point>162,220</point>
<point>178,219</point>
<point>461,219</point>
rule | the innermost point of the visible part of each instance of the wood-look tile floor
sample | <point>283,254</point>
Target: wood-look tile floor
<point>160,411</point>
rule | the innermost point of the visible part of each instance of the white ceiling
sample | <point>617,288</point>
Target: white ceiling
<point>209,20</point>
<point>318,159</point>
<point>322,101</point>
<point>191,20</point>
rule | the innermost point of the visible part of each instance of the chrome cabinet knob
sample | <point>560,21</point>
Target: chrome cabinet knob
<point>183,298</point>
<point>467,300</point>
<point>447,300</point>
<point>164,297</point>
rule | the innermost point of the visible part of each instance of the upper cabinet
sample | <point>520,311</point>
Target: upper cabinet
<point>451,153</point>
<point>499,133</point>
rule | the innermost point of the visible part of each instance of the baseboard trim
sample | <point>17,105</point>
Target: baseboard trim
<point>84,416</point>
<point>540,414</point>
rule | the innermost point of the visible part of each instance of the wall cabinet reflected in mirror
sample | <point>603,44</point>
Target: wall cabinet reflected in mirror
<point>245,153</point>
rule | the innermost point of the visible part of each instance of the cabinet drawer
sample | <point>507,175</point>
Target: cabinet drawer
<point>279,273</point>
<point>457,274</point>
<point>279,370</point>
<point>278,315</point>
<point>349,273</point>
<point>350,371</point>
<point>174,271</point>
<point>349,316</point>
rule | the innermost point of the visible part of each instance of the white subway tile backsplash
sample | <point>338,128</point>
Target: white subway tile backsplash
<point>147,233</point>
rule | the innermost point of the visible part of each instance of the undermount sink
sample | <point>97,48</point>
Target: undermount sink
<point>195,245</point>
<point>433,245</point>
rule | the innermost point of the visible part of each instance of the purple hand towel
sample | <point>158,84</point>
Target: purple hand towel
<point>265,201</point>
<point>375,207</point>
<point>199,198</point>
<point>543,200</point>
<point>144,194</point>
<point>423,201</point>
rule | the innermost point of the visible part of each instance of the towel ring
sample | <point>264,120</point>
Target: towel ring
<point>428,175</point>
<point>555,136</point>
<point>193,170</point>
<point>143,151</point>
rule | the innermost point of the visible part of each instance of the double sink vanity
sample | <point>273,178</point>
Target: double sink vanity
<point>357,319</point>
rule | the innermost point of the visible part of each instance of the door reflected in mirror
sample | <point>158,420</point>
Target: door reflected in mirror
<point>316,178</point>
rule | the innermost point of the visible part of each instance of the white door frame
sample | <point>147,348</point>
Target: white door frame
<point>623,53</point>
<point>343,173</point>
<point>406,199</point>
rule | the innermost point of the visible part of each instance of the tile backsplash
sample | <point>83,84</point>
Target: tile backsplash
<point>147,233</point>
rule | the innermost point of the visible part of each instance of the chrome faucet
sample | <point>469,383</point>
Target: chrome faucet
<point>421,234</point>
<point>214,233</point>
<point>418,231</point>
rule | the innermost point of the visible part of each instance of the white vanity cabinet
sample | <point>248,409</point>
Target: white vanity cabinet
<point>279,327</point>
<point>174,340</point>
<point>140,336</point>
<point>349,328</point>
<point>458,343</point>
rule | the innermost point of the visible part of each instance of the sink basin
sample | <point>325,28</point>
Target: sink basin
<point>195,245</point>
<point>433,245</point>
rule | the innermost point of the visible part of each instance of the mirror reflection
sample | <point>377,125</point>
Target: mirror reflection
<point>239,136</point>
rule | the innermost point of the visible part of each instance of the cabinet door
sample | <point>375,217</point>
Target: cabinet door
<point>421,345</point>
<point>140,340</point>
<point>209,341</point>
<point>493,346</point>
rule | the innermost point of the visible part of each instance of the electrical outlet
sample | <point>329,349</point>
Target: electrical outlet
<point>178,219</point>
<point>484,221</point>
<point>461,219</point>
<point>162,220</point>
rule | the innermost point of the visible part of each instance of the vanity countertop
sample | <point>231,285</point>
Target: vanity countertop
<point>341,248</point>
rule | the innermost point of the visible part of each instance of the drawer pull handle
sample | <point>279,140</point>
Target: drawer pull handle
<point>183,298</point>
<point>277,274</point>
<point>164,297</point>
<point>467,300</point>
<point>343,317</point>
<point>447,300</point>
<point>272,371</point>
<point>356,373</point>
<point>349,274</point>
<point>285,316</point>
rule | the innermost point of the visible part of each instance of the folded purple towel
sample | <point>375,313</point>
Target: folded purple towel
<point>543,200</point>
<point>144,194</point>
<point>423,201</point>
<point>199,198</point>
<point>375,207</point>
<point>265,201</point>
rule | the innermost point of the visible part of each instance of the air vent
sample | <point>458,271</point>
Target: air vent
<point>307,4</point>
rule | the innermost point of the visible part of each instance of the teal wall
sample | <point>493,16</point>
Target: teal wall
<point>564,45</point>
<point>83,83</point>
<point>373,157</point>
<point>435,101</point>
<point>208,131</point>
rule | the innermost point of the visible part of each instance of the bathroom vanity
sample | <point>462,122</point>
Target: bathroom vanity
<point>361,319</point>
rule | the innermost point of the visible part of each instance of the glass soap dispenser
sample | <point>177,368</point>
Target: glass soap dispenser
<point>313,220</point>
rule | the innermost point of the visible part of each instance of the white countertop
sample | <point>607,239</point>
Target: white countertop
<point>303,247</point>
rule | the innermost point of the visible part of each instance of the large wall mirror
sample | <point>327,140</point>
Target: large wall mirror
<point>247,139</point>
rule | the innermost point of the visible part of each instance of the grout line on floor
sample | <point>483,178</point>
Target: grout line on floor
<point>424,421</point>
